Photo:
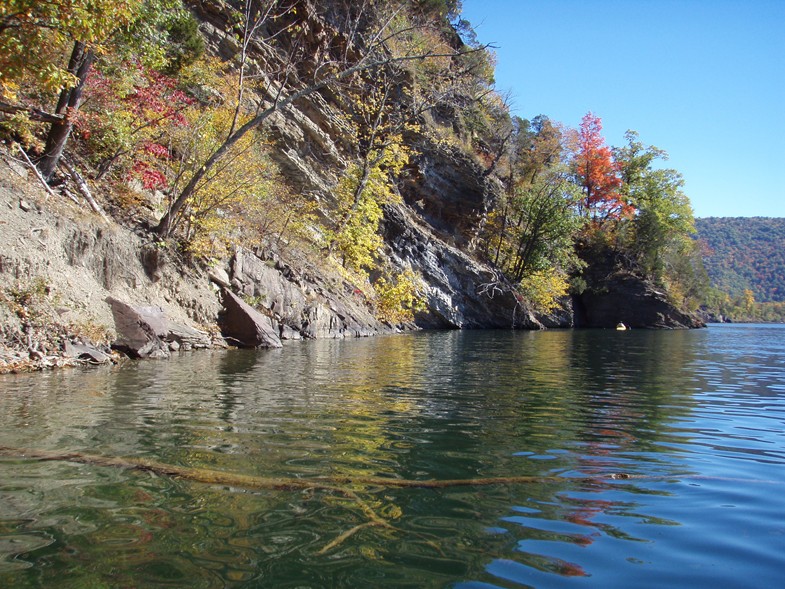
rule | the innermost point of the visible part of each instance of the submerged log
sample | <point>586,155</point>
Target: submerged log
<point>332,482</point>
<point>342,485</point>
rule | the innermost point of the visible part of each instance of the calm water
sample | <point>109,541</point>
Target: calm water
<point>697,417</point>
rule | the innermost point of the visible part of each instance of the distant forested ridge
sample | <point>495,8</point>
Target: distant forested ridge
<point>745,253</point>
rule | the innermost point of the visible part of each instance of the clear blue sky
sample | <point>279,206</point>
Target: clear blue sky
<point>702,79</point>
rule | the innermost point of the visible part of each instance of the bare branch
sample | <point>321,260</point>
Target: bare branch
<point>34,114</point>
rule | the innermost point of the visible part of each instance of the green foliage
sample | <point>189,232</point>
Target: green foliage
<point>439,8</point>
<point>536,228</point>
<point>530,235</point>
<point>536,146</point>
<point>745,253</point>
<point>185,45</point>
<point>662,227</point>
<point>743,308</point>
<point>163,36</point>
<point>656,242</point>
<point>35,37</point>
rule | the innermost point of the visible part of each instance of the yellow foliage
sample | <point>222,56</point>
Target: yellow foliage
<point>361,193</point>
<point>399,298</point>
<point>544,288</point>
<point>242,199</point>
<point>32,29</point>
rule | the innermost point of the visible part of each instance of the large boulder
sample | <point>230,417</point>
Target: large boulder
<point>244,326</point>
<point>146,332</point>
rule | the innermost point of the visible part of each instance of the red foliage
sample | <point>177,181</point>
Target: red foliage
<point>158,94</point>
<point>153,99</point>
<point>151,178</point>
<point>148,99</point>
<point>598,173</point>
<point>157,150</point>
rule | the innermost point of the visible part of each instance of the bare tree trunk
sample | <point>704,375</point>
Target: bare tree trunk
<point>70,99</point>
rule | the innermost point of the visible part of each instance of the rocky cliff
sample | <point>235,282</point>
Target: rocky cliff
<point>445,191</point>
<point>70,274</point>
<point>446,195</point>
<point>614,295</point>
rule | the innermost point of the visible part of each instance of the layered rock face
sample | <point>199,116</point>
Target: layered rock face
<point>446,196</point>
<point>462,293</point>
<point>301,302</point>
<point>627,299</point>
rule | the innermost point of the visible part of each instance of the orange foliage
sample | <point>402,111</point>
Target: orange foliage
<point>598,174</point>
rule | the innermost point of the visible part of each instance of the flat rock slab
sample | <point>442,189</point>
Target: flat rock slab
<point>146,332</point>
<point>86,352</point>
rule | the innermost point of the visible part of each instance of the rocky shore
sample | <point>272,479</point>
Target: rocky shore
<point>79,288</point>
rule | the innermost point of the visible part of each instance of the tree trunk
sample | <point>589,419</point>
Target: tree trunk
<point>70,99</point>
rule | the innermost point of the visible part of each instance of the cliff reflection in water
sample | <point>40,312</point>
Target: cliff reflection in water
<point>569,406</point>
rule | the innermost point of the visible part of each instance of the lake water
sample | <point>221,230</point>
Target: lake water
<point>695,419</point>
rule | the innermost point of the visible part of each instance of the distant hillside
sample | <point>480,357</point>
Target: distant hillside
<point>745,252</point>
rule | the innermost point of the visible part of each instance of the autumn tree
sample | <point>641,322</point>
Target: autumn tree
<point>381,110</point>
<point>34,36</point>
<point>537,198</point>
<point>368,184</point>
<point>539,147</point>
<point>530,236</point>
<point>659,241</point>
<point>28,33</point>
<point>597,174</point>
<point>128,115</point>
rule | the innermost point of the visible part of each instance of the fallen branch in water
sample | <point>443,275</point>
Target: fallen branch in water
<point>348,534</point>
<point>330,483</point>
<point>335,484</point>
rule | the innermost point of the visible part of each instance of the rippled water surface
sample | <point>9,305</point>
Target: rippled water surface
<point>691,423</point>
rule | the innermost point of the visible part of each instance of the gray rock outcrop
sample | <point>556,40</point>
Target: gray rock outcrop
<point>628,299</point>
<point>146,332</point>
<point>300,301</point>
<point>244,326</point>
<point>462,293</point>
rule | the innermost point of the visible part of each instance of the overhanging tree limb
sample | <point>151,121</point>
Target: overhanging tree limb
<point>365,63</point>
